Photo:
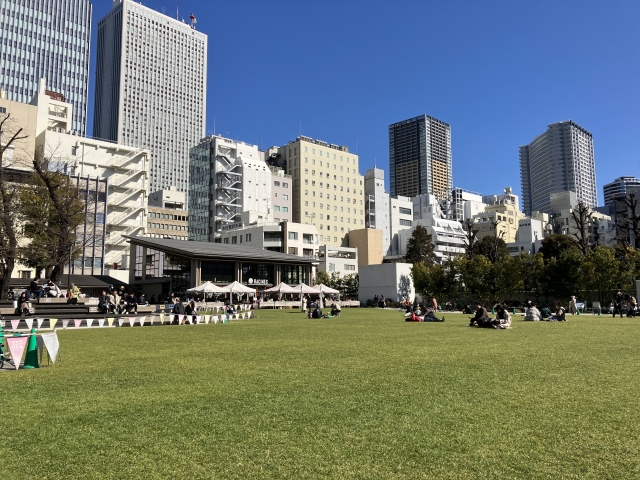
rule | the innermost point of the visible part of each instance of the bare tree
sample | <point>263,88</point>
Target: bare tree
<point>628,221</point>
<point>470,239</point>
<point>582,217</point>
<point>8,207</point>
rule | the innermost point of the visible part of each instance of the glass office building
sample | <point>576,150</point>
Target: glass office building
<point>46,39</point>
<point>151,88</point>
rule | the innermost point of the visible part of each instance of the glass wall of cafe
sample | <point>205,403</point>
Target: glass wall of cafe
<point>161,273</point>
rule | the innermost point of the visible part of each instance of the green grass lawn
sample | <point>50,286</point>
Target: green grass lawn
<point>365,395</point>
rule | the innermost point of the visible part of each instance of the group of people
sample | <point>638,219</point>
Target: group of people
<point>379,301</point>
<point>532,314</point>
<point>481,318</point>
<point>316,312</point>
<point>418,312</point>
<point>623,302</point>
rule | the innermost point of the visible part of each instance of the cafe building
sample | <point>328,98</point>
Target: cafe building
<point>161,266</point>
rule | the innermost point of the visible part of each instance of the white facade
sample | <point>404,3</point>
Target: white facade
<point>228,177</point>
<point>448,236</point>
<point>170,198</point>
<point>465,204</point>
<point>342,260</point>
<point>151,88</point>
<point>507,197</point>
<point>386,213</point>
<point>528,238</point>
<point>393,280</point>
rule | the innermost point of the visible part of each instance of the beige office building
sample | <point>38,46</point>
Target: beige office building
<point>369,243</point>
<point>328,191</point>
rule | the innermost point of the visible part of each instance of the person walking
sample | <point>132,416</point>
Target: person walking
<point>434,304</point>
<point>304,303</point>
<point>573,306</point>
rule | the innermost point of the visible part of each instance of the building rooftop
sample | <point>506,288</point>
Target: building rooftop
<point>218,251</point>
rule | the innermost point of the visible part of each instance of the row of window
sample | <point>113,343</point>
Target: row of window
<point>276,208</point>
<point>164,226</point>
<point>313,151</point>
<point>335,207</point>
<point>167,216</point>
<point>348,267</point>
<point>284,184</point>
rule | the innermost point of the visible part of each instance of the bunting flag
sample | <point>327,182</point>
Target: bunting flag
<point>40,322</point>
<point>101,322</point>
<point>161,318</point>
<point>77,322</point>
<point>16,347</point>
<point>151,319</point>
<point>132,320</point>
<point>53,345</point>
<point>198,319</point>
<point>180,318</point>
<point>29,322</point>
<point>110,321</point>
<point>65,323</point>
<point>120,321</point>
<point>89,322</point>
<point>215,319</point>
<point>142,319</point>
<point>52,323</point>
<point>190,319</point>
<point>14,324</point>
<point>207,318</point>
<point>40,344</point>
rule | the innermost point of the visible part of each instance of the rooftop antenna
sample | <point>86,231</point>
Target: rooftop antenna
<point>300,127</point>
<point>177,12</point>
<point>192,17</point>
<point>214,125</point>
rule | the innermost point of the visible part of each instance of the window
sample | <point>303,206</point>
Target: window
<point>405,211</point>
<point>350,267</point>
<point>248,237</point>
<point>285,209</point>
<point>292,251</point>
<point>225,240</point>
<point>405,223</point>
<point>293,235</point>
<point>277,184</point>
<point>234,239</point>
<point>4,110</point>
<point>285,197</point>
<point>276,208</point>
<point>23,273</point>
<point>285,185</point>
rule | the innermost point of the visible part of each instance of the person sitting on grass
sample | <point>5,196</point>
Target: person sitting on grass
<point>335,310</point>
<point>532,314</point>
<point>503,318</point>
<point>430,316</point>
<point>481,318</point>
<point>545,312</point>
<point>317,313</point>
<point>560,315</point>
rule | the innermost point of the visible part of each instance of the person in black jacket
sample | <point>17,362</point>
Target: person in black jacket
<point>178,309</point>
<point>481,318</point>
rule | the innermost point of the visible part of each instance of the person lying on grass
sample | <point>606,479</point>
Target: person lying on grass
<point>560,315</point>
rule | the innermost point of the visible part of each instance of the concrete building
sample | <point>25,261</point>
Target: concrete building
<point>528,238</point>
<point>258,230</point>
<point>47,39</point>
<point>341,260</point>
<point>227,178</point>
<point>602,228</point>
<point>508,195</point>
<point>420,157</point>
<point>465,204</point>
<point>328,191</point>
<point>151,82</point>
<point>499,220</point>
<point>559,160</point>
<point>393,280</point>
<point>167,216</point>
<point>386,213</point>
<point>447,235</point>
<point>620,186</point>
<point>281,195</point>
<point>369,243</point>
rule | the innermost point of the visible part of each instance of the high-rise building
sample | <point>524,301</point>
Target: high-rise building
<point>227,178</point>
<point>559,160</point>
<point>420,157</point>
<point>151,88</point>
<point>47,39</point>
<point>328,191</point>
<point>620,186</point>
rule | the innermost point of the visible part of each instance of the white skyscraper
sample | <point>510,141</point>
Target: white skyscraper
<point>559,160</point>
<point>151,88</point>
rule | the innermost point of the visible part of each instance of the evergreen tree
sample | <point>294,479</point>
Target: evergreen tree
<point>420,247</point>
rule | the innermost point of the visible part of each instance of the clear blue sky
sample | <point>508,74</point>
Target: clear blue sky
<point>497,71</point>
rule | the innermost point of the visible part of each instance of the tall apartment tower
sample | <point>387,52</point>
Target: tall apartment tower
<point>559,160</point>
<point>151,80</point>
<point>328,191</point>
<point>620,186</point>
<point>420,157</point>
<point>46,39</point>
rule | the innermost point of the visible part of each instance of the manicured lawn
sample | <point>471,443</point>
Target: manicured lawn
<point>365,395</point>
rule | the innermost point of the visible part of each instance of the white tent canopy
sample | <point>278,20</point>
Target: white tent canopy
<point>208,287</point>
<point>304,288</point>
<point>281,288</point>
<point>237,287</point>
<point>324,289</point>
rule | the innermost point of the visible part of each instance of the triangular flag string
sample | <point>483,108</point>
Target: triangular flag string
<point>16,347</point>
<point>29,322</point>
<point>15,323</point>
<point>52,323</point>
<point>110,321</point>
<point>40,322</point>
